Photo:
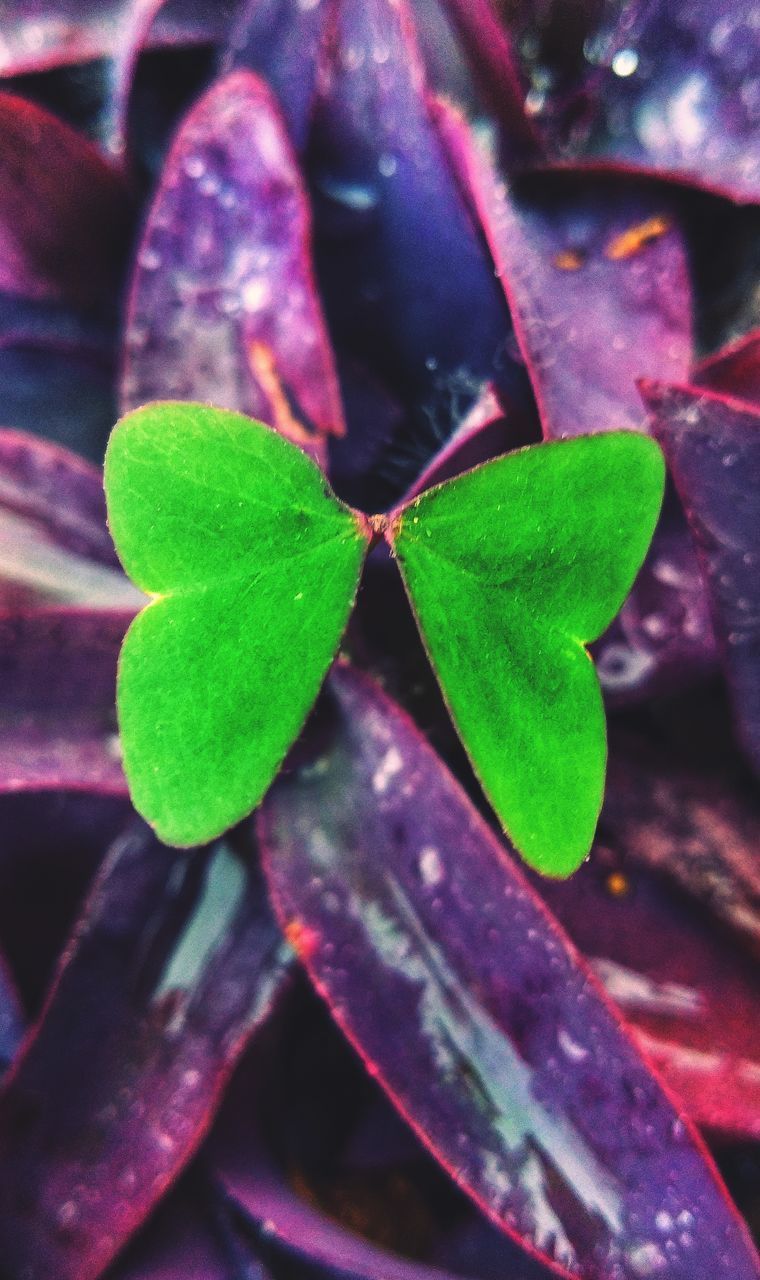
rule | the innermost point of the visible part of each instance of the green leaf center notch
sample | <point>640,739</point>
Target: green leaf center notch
<point>511,570</point>
<point>254,566</point>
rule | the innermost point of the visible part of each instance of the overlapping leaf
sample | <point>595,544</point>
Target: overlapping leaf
<point>223,305</point>
<point>466,1002</point>
<point>176,962</point>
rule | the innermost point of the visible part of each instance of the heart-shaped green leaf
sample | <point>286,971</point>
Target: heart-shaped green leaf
<point>511,570</point>
<point>254,564</point>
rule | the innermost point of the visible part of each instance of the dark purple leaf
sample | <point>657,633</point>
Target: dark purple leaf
<point>490,50</point>
<point>54,545</point>
<point>487,432</point>
<point>310,1150</point>
<point>63,213</point>
<point>179,1243</point>
<point>281,40</point>
<point>58,700</point>
<point>57,373</point>
<point>662,640</point>
<point>174,964</point>
<point>689,814</point>
<point>469,1005</point>
<point>409,289</point>
<point>675,89</point>
<point>673,842</point>
<point>11,1018</point>
<point>57,492</point>
<point>712,445</point>
<point>596,277</point>
<point>223,305</point>
<point>52,845</point>
<point>39,35</point>
<point>735,371</point>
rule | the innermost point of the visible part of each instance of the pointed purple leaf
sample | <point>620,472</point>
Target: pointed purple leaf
<point>490,49</point>
<point>468,1003</point>
<point>58,700</point>
<point>64,213</point>
<point>175,963</point>
<point>712,445</point>
<point>224,306</point>
<point>596,277</point>
<point>735,371</point>
<point>408,286</point>
<point>281,41</point>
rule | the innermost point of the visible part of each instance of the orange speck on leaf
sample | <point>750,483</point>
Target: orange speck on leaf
<point>617,884</point>
<point>302,939</point>
<point>568,260</point>
<point>636,238</point>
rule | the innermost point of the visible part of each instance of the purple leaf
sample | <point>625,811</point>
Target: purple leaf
<point>223,305</point>
<point>312,1153</point>
<point>58,492</point>
<point>58,700</point>
<point>490,50</point>
<point>38,36</point>
<point>662,640</point>
<point>174,964</point>
<point>55,548</point>
<point>691,816</point>
<point>712,445</point>
<point>676,90</point>
<point>281,41</point>
<point>409,289</point>
<point>64,213</point>
<point>596,278</point>
<point>670,843</point>
<point>467,1002</point>
<point>734,371</point>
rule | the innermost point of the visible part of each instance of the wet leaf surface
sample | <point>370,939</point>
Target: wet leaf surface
<point>223,304</point>
<point>173,965</point>
<point>507,1061</point>
<point>712,445</point>
<point>595,274</point>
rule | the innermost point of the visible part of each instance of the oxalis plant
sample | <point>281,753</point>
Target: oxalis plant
<point>304,971</point>
<point>511,570</point>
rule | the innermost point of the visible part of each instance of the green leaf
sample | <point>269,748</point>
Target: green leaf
<point>511,570</point>
<point>254,564</point>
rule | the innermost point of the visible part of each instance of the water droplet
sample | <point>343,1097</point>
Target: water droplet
<point>193,166</point>
<point>68,1214</point>
<point>625,62</point>
<point>387,164</point>
<point>149,259</point>
<point>430,866</point>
